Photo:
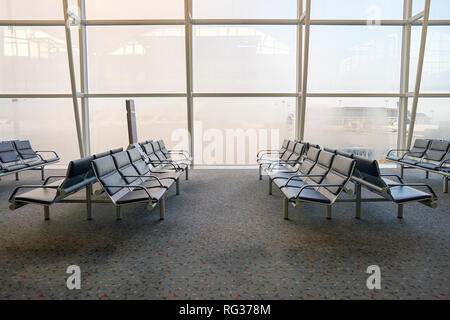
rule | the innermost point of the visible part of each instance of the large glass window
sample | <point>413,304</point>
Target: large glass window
<point>49,124</point>
<point>34,60</point>
<point>157,118</point>
<point>244,58</point>
<point>364,126</point>
<point>135,9</point>
<point>432,118</point>
<point>354,59</point>
<point>357,9</point>
<point>232,130</point>
<point>248,9</point>
<point>31,9</point>
<point>136,59</point>
<point>436,65</point>
<point>439,9</point>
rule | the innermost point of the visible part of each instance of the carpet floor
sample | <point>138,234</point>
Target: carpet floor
<point>224,237</point>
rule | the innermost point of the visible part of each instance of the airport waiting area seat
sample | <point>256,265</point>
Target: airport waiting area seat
<point>79,176</point>
<point>18,155</point>
<point>431,156</point>
<point>367,174</point>
<point>158,159</point>
<point>124,178</point>
<point>325,173</point>
<point>290,155</point>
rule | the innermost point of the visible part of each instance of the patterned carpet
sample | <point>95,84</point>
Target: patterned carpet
<point>224,237</point>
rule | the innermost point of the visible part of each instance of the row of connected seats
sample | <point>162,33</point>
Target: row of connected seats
<point>156,154</point>
<point>17,156</point>
<point>289,155</point>
<point>428,155</point>
<point>124,178</point>
<point>56,189</point>
<point>323,175</point>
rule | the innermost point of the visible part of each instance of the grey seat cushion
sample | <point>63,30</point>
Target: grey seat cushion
<point>39,195</point>
<point>140,195</point>
<point>306,195</point>
<point>404,194</point>
<point>410,160</point>
<point>154,183</point>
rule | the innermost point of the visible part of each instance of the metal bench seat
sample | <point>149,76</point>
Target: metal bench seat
<point>367,174</point>
<point>56,189</point>
<point>428,155</point>
<point>17,156</point>
<point>120,191</point>
<point>279,178</point>
<point>323,185</point>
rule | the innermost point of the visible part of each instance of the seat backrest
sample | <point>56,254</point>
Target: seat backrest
<point>290,150</point>
<point>107,174</point>
<point>437,150</point>
<point>102,154</point>
<point>419,148</point>
<point>8,154</point>
<point>321,167</point>
<point>284,146</point>
<point>124,166</point>
<point>340,173</point>
<point>369,171</point>
<point>310,160</point>
<point>162,147</point>
<point>152,157</point>
<point>24,149</point>
<point>113,151</point>
<point>298,152</point>
<point>137,161</point>
<point>329,149</point>
<point>157,151</point>
<point>344,154</point>
<point>79,174</point>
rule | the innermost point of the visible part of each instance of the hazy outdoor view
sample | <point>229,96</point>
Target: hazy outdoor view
<point>226,59</point>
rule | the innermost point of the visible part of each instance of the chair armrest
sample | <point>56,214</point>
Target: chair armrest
<point>149,176</point>
<point>263,152</point>
<point>183,152</point>
<point>311,186</point>
<point>175,165</point>
<point>301,175</point>
<point>444,162</point>
<point>396,150</point>
<point>48,151</point>
<point>134,187</point>
<point>275,162</point>
<point>51,177</point>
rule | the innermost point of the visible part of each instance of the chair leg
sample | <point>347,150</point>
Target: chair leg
<point>47,213</point>
<point>177,184</point>
<point>286,208</point>
<point>162,208</point>
<point>400,211</point>
<point>88,202</point>
<point>358,200</point>
<point>42,174</point>
<point>401,171</point>
<point>328,212</point>
<point>427,174</point>
<point>260,172</point>
<point>118,213</point>
<point>187,173</point>
<point>270,186</point>
<point>17,176</point>
<point>445,186</point>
